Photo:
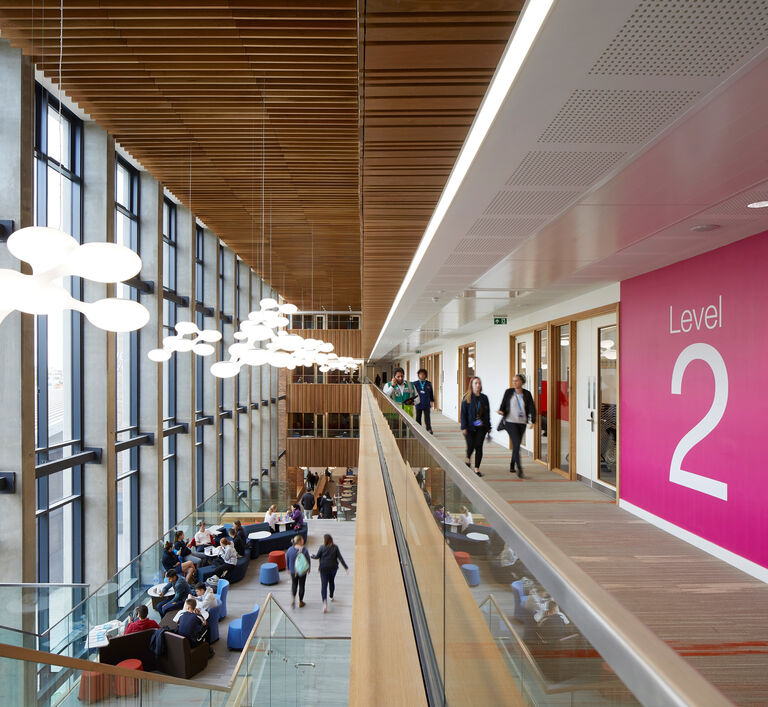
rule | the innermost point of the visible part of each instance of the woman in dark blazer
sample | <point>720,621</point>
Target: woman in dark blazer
<point>517,411</point>
<point>475,421</point>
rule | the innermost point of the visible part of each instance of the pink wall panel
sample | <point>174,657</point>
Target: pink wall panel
<point>694,395</point>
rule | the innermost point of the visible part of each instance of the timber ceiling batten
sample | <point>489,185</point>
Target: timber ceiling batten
<point>427,67</point>
<point>165,78</point>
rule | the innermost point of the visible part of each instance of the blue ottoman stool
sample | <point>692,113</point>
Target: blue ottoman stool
<point>269,574</point>
<point>471,574</point>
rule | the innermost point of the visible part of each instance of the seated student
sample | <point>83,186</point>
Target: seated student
<point>238,526</point>
<point>180,592</point>
<point>140,622</point>
<point>171,560</point>
<point>271,517</point>
<point>226,559</point>
<point>297,516</point>
<point>203,536</point>
<point>237,541</point>
<point>191,624</point>
<point>206,596</point>
<point>440,513</point>
<point>181,549</point>
<point>465,519</point>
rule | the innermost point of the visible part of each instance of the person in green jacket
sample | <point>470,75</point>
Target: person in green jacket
<point>401,391</point>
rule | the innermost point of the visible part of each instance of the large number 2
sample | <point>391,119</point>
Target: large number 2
<point>711,356</point>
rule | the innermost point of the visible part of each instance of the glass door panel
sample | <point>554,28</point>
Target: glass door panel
<point>608,387</point>
<point>541,394</point>
<point>563,405</point>
<point>522,361</point>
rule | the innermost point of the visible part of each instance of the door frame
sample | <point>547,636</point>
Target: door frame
<point>460,371</point>
<point>553,359</point>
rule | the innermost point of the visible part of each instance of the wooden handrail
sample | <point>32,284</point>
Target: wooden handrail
<point>35,656</point>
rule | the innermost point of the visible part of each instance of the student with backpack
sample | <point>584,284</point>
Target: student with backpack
<point>297,559</point>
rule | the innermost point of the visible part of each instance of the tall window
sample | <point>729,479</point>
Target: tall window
<point>58,352</point>
<point>222,300</point>
<point>200,372</point>
<point>170,315</point>
<point>127,373</point>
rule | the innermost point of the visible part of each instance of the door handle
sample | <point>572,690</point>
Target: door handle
<point>591,420</point>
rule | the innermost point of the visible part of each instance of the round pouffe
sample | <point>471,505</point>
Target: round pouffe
<point>471,574</point>
<point>127,687</point>
<point>278,557</point>
<point>269,574</point>
<point>93,686</point>
<point>462,558</point>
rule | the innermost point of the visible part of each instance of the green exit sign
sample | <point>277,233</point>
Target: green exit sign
<point>500,320</point>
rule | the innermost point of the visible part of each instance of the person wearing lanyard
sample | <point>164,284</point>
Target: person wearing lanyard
<point>426,398</point>
<point>475,421</point>
<point>517,411</point>
<point>401,391</point>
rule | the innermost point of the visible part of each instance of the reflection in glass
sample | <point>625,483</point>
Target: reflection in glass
<point>541,394</point>
<point>522,362</point>
<point>608,386</point>
<point>563,397</point>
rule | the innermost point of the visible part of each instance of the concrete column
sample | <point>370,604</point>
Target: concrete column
<point>243,383</point>
<point>150,373</point>
<point>185,367</point>
<point>99,503</point>
<point>17,383</point>
<point>265,408</point>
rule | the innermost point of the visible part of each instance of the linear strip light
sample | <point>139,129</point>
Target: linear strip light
<point>527,27</point>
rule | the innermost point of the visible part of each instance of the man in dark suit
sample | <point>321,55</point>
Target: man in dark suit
<point>426,398</point>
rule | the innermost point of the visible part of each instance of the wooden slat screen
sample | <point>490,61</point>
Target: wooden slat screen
<point>323,397</point>
<point>322,451</point>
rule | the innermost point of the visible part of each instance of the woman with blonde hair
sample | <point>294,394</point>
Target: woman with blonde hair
<point>465,519</point>
<point>271,517</point>
<point>475,421</point>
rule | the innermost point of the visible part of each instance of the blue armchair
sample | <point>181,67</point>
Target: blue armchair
<point>241,628</point>
<point>222,589</point>
<point>214,616</point>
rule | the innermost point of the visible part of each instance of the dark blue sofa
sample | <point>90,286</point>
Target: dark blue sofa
<point>276,541</point>
<point>460,542</point>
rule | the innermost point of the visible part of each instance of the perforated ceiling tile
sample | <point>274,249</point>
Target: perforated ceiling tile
<point>507,228</point>
<point>680,38</point>
<point>615,116</point>
<point>478,257</point>
<point>523,202</point>
<point>486,245</point>
<point>737,205</point>
<point>550,168</point>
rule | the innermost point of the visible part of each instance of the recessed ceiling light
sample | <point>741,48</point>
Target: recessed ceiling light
<point>704,227</point>
<point>525,32</point>
<point>758,205</point>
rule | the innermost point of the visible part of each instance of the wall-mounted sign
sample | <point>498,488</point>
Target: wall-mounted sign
<point>693,395</point>
<point>500,321</point>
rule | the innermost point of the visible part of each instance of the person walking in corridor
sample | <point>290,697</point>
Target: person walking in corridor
<point>475,421</point>
<point>401,391</point>
<point>517,411</point>
<point>426,398</point>
<point>297,559</point>
<point>329,557</point>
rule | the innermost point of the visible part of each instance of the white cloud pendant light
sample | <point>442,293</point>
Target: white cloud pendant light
<point>54,255</point>
<point>199,344</point>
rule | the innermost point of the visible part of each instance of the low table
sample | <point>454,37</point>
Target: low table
<point>259,535</point>
<point>154,594</point>
<point>478,536</point>
<point>210,551</point>
<point>98,637</point>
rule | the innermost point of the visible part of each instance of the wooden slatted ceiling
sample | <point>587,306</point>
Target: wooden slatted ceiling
<point>183,86</point>
<point>426,67</point>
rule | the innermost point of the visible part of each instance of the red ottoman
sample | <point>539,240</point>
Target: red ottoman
<point>93,687</point>
<point>278,557</point>
<point>462,558</point>
<point>127,687</point>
